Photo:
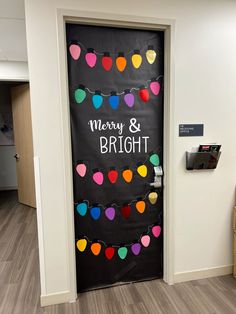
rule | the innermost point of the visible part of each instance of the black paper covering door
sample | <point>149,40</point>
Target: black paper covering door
<point>118,223</point>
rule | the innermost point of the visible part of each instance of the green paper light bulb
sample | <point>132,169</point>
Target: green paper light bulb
<point>154,159</point>
<point>122,252</point>
<point>80,94</point>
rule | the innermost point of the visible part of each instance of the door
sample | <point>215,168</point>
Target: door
<point>22,126</point>
<point>116,108</point>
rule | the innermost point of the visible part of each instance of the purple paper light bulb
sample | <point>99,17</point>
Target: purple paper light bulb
<point>136,248</point>
<point>129,98</point>
<point>110,213</point>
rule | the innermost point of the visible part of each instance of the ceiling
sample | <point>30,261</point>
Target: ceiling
<point>12,31</point>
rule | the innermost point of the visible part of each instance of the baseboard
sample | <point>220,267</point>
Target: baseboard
<point>56,298</point>
<point>65,297</point>
<point>8,188</point>
<point>203,273</point>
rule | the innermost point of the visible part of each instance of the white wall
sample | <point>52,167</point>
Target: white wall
<point>13,51</point>
<point>205,76</point>
<point>13,67</point>
<point>12,31</point>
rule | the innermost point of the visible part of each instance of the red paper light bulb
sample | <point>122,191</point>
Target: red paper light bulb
<point>144,94</point>
<point>126,210</point>
<point>109,252</point>
<point>107,61</point>
<point>112,175</point>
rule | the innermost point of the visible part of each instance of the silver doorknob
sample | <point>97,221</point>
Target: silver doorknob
<point>17,156</point>
<point>158,173</point>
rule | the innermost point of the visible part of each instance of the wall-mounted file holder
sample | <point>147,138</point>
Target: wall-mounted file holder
<point>202,160</point>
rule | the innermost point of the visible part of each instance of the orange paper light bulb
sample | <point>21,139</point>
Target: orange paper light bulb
<point>96,248</point>
<point>140,206</point>
<point>121,62</point>
<point>127,174</point>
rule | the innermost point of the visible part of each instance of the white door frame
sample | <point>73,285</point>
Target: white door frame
<point>138,22</point>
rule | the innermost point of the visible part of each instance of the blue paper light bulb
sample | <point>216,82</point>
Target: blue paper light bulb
<point>82,208</point>
<point>95,212</point>
<point>97,99</point>
<point>114,100</point>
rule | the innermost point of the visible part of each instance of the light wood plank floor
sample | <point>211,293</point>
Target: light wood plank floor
<point>20,291</point>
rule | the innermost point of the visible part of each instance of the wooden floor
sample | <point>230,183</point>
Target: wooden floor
<point>20,291</point>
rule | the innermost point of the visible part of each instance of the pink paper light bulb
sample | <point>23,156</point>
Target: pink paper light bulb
<point>145,240</point>
<point>156,231</point>
<point>98,177</point>
<point>155,87</point>
<point>75,51</point>
<point>81,169</point>
<point>91,57</point>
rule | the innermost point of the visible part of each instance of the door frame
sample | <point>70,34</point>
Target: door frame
<point>135,22</point>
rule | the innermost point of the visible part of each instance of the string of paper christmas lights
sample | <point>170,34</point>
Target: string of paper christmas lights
<point>122,250</point>
<point>80,94</point>
<point>95,209</point>
<point>113,173</point>
<point>107,61</point>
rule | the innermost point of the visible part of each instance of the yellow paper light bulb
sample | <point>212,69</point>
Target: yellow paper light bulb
<point>81,244</point>
<point>153,197</point>
<point>136,59</point>
<point>142,170</point>
<point>151,55</point>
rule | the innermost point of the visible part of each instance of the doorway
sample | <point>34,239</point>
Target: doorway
<point>116,104</point>
<point>16,145</point>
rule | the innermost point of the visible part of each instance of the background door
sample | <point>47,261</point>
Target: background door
<point>116,105</point>
<point>22,126</point>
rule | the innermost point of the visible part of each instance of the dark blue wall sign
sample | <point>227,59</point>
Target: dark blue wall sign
<point>191,129</point>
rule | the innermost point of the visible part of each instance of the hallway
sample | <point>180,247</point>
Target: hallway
<point>20,290</point>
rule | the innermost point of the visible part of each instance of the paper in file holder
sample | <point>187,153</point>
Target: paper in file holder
<point>202,160</point>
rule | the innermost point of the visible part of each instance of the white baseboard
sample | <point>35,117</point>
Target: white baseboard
<point>8,188</point>
<point>65,296</point>
<point>56,298</point>
<point>203,273</point>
